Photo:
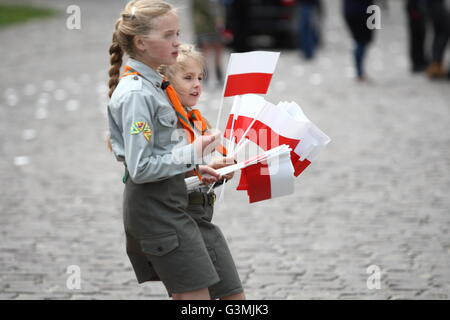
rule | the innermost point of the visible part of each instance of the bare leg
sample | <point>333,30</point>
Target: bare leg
<point>237,296</point>
<point>201,294</point>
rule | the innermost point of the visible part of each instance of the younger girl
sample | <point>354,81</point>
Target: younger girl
<point>163,242</point>
<point>186,77</point>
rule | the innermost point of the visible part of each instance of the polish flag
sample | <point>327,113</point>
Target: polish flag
<point>269,179</point>
<point>270,174</point>
<point>276,125</point>
<point>250,72</point>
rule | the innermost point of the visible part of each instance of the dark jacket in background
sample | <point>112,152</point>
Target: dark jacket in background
<point>355,14</point>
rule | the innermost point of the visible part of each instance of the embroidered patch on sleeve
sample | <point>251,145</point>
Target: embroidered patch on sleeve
<point>141,126</point>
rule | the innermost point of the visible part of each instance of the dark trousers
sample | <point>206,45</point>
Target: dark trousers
<point>359,55</point>
<point>420,13</point>
<point>241,9</point>
<point>441,27</point>
<point>416,12</point>
<point>307,31</point>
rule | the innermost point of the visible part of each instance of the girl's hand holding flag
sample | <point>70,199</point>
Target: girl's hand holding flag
<point>222,162</point>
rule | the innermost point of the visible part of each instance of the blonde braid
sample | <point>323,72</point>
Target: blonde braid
<point>136,19</point>
<point>116,55</point>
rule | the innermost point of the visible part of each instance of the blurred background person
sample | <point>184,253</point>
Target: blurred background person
<point>355,15</point>
<point>242,32</point>
<point>437,11</point>
<point>416,13</point>
<point>310,14</point>
<point>208,21</point>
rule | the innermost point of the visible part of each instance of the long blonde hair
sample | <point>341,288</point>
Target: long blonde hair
<point>136,19</point>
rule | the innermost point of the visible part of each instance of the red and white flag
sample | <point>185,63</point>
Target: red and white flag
<point>268,175</point>
<point>250,72</point>
<point>277,125</point>
<point>272,127</point>
<point>269,179</point>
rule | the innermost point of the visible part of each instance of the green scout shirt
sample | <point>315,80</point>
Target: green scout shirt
<point>143,128</point>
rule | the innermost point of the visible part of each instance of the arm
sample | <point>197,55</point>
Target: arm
<point>142,163</point>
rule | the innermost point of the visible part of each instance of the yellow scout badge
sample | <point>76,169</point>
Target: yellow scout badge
<point>141,126</point>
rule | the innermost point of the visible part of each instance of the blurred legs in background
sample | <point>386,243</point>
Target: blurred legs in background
<point>441,25</point>
<point>308,34</point>
<point>416,12</point>
<point>359,53</point>
<point>355,15</point>
<point>208,18</point>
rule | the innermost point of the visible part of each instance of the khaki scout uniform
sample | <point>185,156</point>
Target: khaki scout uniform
<point>163,242</point>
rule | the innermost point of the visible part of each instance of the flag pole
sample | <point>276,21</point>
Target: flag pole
<point>230,142</point>
<point>238,146</point>
<point>220,109</point>
<point>236,112</point>
<point>219,114</point>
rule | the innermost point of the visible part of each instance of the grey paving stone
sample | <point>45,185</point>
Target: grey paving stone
<point>378,195</point>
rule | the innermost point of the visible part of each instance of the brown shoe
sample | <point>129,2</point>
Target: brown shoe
<point>436,71</point>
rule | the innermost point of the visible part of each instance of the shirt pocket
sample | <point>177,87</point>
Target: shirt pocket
<point>167,123</point>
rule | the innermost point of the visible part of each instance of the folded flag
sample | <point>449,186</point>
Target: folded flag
<point>312,141</point>
<point>250,72</point>
<point>270,126</point>
<point>268,179</point>
<point>273,125</point>
<point>277,176</point>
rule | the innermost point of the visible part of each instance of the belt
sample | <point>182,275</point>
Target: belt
<point>202,198</point>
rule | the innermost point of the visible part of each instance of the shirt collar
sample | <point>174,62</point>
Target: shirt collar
<point>148,73</point>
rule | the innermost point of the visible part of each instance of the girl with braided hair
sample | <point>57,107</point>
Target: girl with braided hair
<point>162,241</point>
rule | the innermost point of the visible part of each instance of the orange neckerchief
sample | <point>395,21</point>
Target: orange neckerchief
<point>188,119</point>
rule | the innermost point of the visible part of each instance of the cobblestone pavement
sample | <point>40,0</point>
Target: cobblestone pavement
<point>378,195</point>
